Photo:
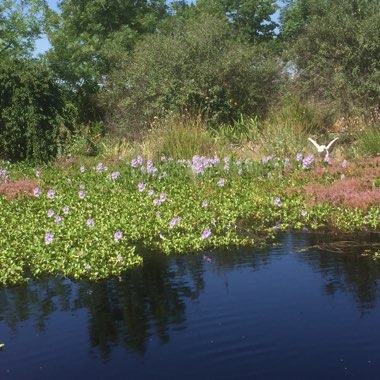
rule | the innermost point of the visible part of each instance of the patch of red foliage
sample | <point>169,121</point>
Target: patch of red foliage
<point>354,190</point>
<point>17,189</point>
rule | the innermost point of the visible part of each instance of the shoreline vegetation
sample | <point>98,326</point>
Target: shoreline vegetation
<point>92,220</point>
<point>173,127</point>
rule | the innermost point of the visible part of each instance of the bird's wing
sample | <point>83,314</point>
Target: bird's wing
<point>331,143</point>
<point>314,143</point>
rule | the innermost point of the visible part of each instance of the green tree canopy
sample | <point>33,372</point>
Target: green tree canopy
<point>334,46</point>
<point>21,22</point>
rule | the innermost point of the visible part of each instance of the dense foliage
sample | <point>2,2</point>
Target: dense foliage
<point>198,69</point>
<point>30,109</point>
<point>96,221</point>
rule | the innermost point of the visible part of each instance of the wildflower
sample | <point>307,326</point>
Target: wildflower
<point>174,222</point>
<point>221,182</point>
<point>163,197</point>
<point>115,175</point>
<point>303,213</point>
<point>82,169</point>
<point>344,164</point>
<point>49,237</point>
<point>82,187</point>
<point>119,258</point>
<point>205,203</point>
<point>139,160</point>
<point>58,219</point>
<point>134,163</point>
<point>299,157</point>
<point>82,194</point>
<point>66,210</point>
<point>38,173</point>
<point>141,187</point>
<point>286,162</point>
<point>99,167</point>
<point>163,158</point>
<point>307,161</point>
<point>90,222</point>
<point>50,213</point>
<point>50,194</point>
<point>157,202</point>
<point>342,177</point>
<point>118,235</point>
<point>151,192</point>
<point>240,171</point>
<point>277,202</point>
<point>327,159</point>
<point>36,192</point>
<point>87,266</point>
<point>206,233</point>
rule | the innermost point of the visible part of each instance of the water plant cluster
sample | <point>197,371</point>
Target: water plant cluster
<point>96,220</point>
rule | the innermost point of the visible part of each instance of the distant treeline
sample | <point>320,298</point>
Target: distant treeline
<point>119,66</point>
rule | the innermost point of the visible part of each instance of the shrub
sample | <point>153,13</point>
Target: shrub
<point>197,69</point>
<point>30,105</point>
<point>369,142</point>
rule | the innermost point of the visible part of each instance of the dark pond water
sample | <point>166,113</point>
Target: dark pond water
<point>253,314</point>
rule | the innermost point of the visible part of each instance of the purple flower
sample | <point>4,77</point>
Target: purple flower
<point>99,167</point>
<point>82,169</point>
<point>90,222</point>
<point>36,192</point>
<point>163,197</point>
<point>50,194</point>
<point>204,204</point>
<point>299,157</point>
<point>157,202</point>
<point>206,234</point>
<point>277,202</point>
<point>174,221</point>
<point>141,187</point>
<point>327,159</point>
<point>134,163</point>
<point>344,164</point>
<point>82,194</point>
<point>151,192</point>
<point>58,219</point>
<point>66,210</point>
<point>139,160</point>
<point>115,175</point>
<point>50,213</point>
<point>49,237</point>
<point>117,235</point>
<point>221,182</point>
<point>307,161</point>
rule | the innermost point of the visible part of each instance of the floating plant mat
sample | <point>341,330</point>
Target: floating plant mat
<point>363,244</point>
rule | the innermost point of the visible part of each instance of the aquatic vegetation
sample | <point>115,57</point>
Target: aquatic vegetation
<point>94,221</point>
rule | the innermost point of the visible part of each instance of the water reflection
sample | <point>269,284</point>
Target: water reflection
<point>150,301</point>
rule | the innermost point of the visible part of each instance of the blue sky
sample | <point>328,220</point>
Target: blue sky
<point>42,44</point>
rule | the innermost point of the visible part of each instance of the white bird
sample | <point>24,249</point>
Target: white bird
<point>323,150</point>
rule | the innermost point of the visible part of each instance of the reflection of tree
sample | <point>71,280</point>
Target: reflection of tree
<point>127,310</point>
<point>345,269</point>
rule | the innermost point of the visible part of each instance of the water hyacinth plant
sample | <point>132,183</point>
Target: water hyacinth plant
<point>168,206</point>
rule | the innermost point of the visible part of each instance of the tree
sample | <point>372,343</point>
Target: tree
<point>89,34</point>
<point>251,19</point>
<point>196,68</point>
<point>21,22</point>
<point>334,46</point>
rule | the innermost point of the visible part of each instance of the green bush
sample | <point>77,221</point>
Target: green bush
<point>197,69</point>
<point>30,106</point>
<point>369,142</point>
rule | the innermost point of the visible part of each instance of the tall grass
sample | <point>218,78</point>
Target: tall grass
<point>369,142</point>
